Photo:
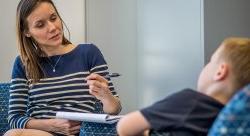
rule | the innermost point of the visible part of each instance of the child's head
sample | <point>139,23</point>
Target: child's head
<point>229,67</point>
<point>236,51</point>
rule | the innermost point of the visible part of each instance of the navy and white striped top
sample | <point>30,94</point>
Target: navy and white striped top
<point>62,90</point>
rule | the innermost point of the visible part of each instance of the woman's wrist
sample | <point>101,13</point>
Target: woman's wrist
<point>40,124</point>
<point>111,105</point>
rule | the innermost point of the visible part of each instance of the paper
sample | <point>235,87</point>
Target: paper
<point>89,117</point>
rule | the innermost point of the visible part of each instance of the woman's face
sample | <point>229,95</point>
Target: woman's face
<point>45,26</point>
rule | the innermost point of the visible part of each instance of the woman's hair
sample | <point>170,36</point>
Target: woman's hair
<point>237,52</point>
<point>30,52</point>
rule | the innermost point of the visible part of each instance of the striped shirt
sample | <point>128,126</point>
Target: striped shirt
<point>62,90</point>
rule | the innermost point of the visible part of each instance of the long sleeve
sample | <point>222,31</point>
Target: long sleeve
<point>98,65</point>
<point>18,101</point>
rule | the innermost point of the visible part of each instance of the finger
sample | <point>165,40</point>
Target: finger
<point>64,122</point>
<point>75,123</point>
<point>98,92</point>
<point>95,93</point>
<point>94,76</point>
<point>75,129</point>
<point>94,89</point>
<point>100,85</point>
<point>75,132</point>
<point>94,83</point>
<point>62,133</point>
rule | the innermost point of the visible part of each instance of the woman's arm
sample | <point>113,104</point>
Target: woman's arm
<point>98,86</point>
<point>18,105</point>
<point>18,100</point>
<point>133,124</point>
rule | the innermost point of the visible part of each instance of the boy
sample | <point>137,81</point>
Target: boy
<point>190,112</point>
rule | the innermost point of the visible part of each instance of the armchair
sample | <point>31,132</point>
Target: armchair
<point>87,129</point>
<point>4,102</point>
<point>234,119</point>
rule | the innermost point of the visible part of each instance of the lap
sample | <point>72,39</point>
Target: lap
<point>26,132</point>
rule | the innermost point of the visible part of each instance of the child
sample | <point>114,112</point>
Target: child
<point>190,112</point>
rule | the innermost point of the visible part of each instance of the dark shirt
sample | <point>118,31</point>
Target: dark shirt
<point>187,112</point>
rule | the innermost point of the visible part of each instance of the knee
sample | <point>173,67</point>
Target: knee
<point>26,132</point>
<point>14,132</point>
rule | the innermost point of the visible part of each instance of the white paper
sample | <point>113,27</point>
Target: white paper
<point>89,117</point>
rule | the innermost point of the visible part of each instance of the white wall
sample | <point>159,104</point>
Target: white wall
<point>224,18</point>
<point>155,44</point>
<point>170,47</point>
<point>8,47</point>
<point>158,45</point>
<point>111,25</point>
<point>72,13</point>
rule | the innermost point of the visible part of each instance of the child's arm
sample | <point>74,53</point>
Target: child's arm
<point>133,124</point>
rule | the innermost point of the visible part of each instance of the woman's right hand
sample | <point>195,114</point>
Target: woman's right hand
<point>63,126</point>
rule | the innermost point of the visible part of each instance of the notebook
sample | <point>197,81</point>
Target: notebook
<point>89,117</point>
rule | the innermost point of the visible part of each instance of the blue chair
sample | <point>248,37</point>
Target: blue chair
<point>234,119</point>
<point>87,129</point>
<point>4,102</point>
<point>98,129</point>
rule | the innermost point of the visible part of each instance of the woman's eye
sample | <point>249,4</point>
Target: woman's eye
<point>39,25</point>
<point>53,17</point>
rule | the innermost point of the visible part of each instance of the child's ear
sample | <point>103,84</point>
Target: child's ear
<point>222,72</point>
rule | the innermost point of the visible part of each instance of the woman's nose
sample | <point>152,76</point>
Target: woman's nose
<point>51,26</point>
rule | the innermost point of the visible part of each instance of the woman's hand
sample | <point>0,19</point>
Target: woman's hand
<point>63,126</point>
<point>98,86</point>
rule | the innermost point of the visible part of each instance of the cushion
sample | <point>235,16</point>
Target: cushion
<point>98,129</point>
<point>234,119</point>
<point>4,101</point>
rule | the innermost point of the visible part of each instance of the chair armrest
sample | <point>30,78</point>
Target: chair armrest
<point>98,129</point>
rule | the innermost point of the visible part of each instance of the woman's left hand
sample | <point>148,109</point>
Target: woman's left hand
<point>98,86</point>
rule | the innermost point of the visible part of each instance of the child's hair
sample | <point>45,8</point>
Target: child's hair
<point>237,52</point>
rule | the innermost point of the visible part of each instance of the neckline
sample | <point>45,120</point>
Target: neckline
<point>65,54</point>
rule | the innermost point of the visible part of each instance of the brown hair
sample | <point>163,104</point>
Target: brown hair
<point>237,52</point>
<point>30,52</point>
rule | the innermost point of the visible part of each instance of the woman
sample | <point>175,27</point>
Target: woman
<point>51,74</point>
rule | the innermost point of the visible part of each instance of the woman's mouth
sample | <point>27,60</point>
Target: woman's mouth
<point>55,37</point>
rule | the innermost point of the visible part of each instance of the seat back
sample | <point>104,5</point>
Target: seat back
<point>4,102</point>
<point>234,119</point>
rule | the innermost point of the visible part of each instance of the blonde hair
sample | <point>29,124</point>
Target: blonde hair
<point>30,53</point>
<point>237,52</point>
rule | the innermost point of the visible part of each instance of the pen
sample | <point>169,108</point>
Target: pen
<point>112,75</point>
